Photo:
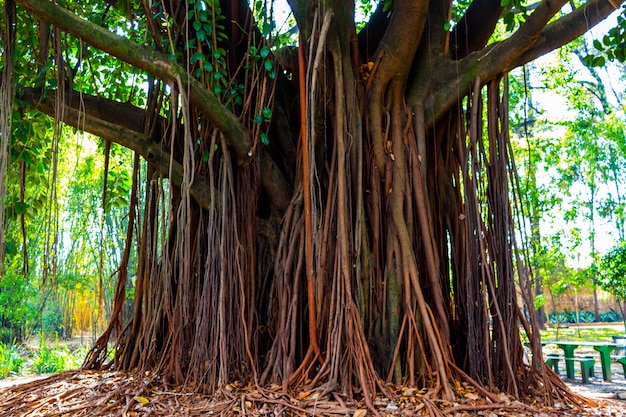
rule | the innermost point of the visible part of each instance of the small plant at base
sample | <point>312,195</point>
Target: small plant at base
<point>11,360</point>
<point>47,360</point>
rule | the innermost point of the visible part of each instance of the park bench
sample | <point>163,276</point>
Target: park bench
<point>587,364</point>
<point>568,348</point>
<point>621,360</point>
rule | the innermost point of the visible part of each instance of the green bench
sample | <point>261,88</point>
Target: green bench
<point>587,364</point>
<point>621,360</point>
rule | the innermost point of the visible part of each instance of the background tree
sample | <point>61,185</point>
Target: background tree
<point>571,182</point>
<point>614,267</point>
<point>337,220</point>
<point>54,277</point>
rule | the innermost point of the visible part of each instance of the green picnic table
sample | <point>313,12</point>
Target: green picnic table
<point>568,348</point>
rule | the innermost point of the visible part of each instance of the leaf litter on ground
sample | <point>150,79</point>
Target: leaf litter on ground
<point>108,393</point>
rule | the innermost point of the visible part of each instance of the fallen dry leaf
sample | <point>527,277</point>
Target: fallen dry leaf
<point>140,399</point>
<point>303,394</point>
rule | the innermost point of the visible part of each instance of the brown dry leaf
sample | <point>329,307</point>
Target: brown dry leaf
<point>504,398</point>
<point>471,396</point>
<point>360,413</point>
<point>140,399</point>
<point>248,404</point>
<point>302,395</point>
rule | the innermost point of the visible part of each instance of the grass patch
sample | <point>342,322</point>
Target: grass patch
<point>575,334</point>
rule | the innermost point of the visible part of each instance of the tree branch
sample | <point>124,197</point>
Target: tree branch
<point>122,123</point>
<point>568,28</point>
<point>158,64</point>
<point>200,189</point>
<point>531,40</point>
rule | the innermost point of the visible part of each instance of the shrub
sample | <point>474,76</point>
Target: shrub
<point>569,317</point>
<point>47,360</point>
<point>611,316</point>
<point>11,360</point>
<point>587,316</point>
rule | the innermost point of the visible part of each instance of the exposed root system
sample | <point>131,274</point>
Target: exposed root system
<point>102,393</point>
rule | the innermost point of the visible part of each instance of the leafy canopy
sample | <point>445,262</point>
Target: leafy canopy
<point>614,266</point>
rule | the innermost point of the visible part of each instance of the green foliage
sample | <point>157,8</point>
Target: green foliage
<point>571,317</point>
<point>611,316</point>
<point>611,47</point>
<point>47,360</point>
<point>11,360</point>
<point>613,278</point>
<point>540,301</point>
<point>208,59</point>
<point>18,309</point>
<point>364,9</point>
<point>572,165</point>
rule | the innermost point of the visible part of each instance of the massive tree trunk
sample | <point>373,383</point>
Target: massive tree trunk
<point>364,235</point>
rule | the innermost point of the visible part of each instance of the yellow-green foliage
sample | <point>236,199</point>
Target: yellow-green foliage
<point>11,360</point>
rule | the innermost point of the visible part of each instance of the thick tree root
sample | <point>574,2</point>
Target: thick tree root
<point>101,393</point>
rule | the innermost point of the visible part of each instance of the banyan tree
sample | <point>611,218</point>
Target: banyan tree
<point>331,205</point>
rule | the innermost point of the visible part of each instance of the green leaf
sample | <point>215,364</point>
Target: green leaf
<point>267,113</point>
<point>597,44</point>
<point>266,29</point>
<point>264,139</point>
<point>268,65</point>
<point>11,248</point>
<point>197,25</point>
<point>265,50</point>
<point>197,56</point>
<point>20,208</point>
<point>587,60</point>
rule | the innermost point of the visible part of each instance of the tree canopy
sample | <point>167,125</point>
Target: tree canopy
<point>321,206</point>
